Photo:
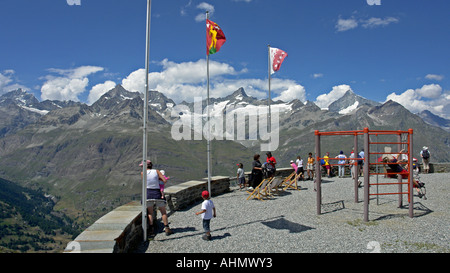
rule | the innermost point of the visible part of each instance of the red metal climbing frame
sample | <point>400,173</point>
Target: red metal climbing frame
<point>367,149</point>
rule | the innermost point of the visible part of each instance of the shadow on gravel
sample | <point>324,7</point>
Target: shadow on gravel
<point>286,224</point>
<point>332,207</point>
<point>419,211</point>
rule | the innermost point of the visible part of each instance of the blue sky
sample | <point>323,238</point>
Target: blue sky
<point>397,50</point>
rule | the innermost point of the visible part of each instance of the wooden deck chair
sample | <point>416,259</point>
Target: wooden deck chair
<point>287,180</point>
<point>261,190</point>
<point>292,182</point>
<point>275,184</point>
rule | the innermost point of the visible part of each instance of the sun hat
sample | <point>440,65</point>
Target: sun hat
<point>148,162</point>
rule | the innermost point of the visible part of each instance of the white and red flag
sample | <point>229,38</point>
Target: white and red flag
<point>277,57</point>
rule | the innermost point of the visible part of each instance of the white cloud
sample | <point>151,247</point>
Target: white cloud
<point>434,77</point>
<point>183,9</point>
<point>179,81</point>
<point>428,97</point>
<point>205,7</point>
<point>69,84</point>
<point>98,90</point>
<point>187,80</point>
<point>346,24</point>
<point>378,22</point>
<point>7,80</point>
<point>289,90</point>
<point>317,75</point>
<point>324,100</point>
<point>374,22</point>
<point>432,91</point>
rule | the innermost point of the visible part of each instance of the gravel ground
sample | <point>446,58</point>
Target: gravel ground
<point>288,223</point>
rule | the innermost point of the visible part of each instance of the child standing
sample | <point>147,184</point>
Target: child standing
<point>161,183</point>
<point>241,176</point>
<point>208,212</point>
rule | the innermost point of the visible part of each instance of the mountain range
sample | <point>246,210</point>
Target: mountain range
<point>88,157</point>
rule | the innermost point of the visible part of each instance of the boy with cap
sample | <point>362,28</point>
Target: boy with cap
<point>208,212</point>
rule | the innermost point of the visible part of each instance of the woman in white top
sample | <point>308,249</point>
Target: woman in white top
<point>154,197</point>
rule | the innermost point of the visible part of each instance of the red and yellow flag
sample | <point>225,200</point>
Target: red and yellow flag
<point>214,37</point>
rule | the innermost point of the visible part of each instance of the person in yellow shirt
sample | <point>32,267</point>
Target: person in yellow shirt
<point>327,163</point>
<point>310,167</point>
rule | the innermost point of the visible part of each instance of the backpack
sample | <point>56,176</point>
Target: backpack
<point>425,154</point>
<point>360,160</point>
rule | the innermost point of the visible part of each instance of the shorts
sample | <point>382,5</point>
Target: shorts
<point>327,167</point>
<point>310,166</point>
<point>206,226</point>
<point>241,180</point>
<point>154,198</point>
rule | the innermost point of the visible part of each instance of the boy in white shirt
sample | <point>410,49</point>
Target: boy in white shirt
<point>208,212</point>
<point>341,161</point>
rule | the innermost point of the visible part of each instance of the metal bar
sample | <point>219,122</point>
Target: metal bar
<point>390,193</point>
<point>145,144</point>
<point>366,172</point>
<point>380,143</point>
<point>387,173</point>
<point>208,141</point>
<point>268,101</point>
<point>400,177</point>
<point>335,158</point>
<point>318,182</point>
<point>378,201</point>
<point>373,184</point>
<point>388,132</point>
<point>355,168</point>
<point>410,178</point>
<point>396,163</point>
<point>376,153</point>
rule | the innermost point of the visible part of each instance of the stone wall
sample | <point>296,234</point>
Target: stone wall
<point>185,194</point>
<point>439,167</point>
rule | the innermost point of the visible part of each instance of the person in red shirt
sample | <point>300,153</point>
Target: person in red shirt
<point>272,161</point>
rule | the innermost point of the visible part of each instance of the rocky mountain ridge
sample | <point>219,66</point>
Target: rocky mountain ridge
<point>88,156</point>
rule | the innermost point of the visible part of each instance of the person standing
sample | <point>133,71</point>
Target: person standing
<point>241,176</point>
<point>341,162</point>
<point>425,154</point>
<point>310,166</point>
<point>273,162</point>
<point>257,174</point>
<point>353,164</point>
<point>208,212</point>
<point>154,197</point>
<point>361,162</point>
<point>327,165</point>
<point>300,170</point>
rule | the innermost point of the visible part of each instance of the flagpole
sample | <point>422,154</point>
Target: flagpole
<point>208,141</point>
<point>270,112</point>
<point>144,146</point>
